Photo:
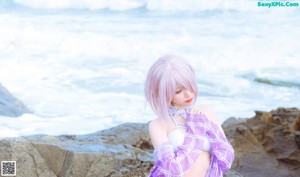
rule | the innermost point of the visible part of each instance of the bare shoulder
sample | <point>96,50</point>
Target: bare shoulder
<point>209,113</point>
<point>157,124</point>
<point>158,132</point>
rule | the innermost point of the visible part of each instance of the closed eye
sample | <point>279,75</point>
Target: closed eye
<point>178,91</point>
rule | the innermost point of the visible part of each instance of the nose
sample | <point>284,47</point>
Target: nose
<point>187,93</point>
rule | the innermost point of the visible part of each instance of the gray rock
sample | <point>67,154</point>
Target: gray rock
<point>121,151</point>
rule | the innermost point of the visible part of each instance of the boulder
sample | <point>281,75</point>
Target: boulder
<point>267,144</point>
<point>120,151</point>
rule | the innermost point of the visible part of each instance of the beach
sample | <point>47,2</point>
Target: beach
<point>80,67</point>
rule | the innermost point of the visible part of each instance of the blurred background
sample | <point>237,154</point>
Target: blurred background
<point>80,65</point>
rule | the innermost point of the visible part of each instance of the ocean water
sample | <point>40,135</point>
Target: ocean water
<point>80,65</point>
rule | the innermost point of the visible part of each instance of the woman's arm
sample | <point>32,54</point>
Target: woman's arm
<point>221,149</point>
<point>222,153</point>
<point>174,164</point>
<point>158,132</point>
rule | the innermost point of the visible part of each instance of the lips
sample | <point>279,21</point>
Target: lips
<point>189,100</point>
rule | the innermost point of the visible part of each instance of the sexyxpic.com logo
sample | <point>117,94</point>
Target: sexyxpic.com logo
<point>277,4</point>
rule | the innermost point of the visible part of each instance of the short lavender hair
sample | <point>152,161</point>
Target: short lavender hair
<point>164,77</point>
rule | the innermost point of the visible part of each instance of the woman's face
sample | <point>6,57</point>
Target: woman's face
<point>182,98</point>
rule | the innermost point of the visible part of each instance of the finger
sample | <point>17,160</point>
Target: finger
<point>193,111</point>
<point>196,111</point>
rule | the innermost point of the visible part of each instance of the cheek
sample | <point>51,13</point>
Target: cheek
<point>176,98</point>
<point>193,94</point>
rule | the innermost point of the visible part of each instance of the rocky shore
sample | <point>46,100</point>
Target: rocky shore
<point>120,151</point>
<point>266,145</point>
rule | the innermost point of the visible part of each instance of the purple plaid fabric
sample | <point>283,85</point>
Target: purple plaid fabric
<point>170,164</point>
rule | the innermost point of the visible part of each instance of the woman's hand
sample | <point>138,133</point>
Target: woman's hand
<point>196,110</point>
<point>207,111</point>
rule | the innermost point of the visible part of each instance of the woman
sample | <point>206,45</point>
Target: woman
<point>187,140</point>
